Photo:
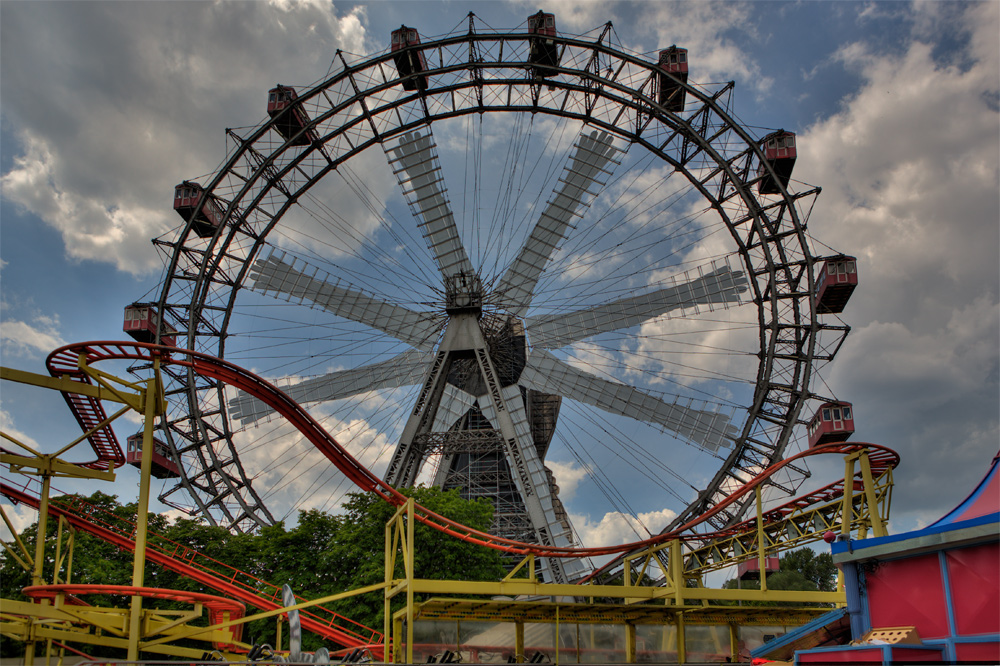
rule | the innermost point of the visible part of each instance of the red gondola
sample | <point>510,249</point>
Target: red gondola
<point>750,569</point>
<point>142,321</point>
<point>210,213</point>
<point>163,466</point>
<point>292,118</point>
<point>671,95</point>
<point>833,422</point>
<point>779,152</point>
<point>409,61</point>
<point>837,280</point>
<point>543,52</point>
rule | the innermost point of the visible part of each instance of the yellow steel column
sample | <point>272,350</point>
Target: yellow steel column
<point>878,524</point>
<point>411,551</point>
<point>681,640</point>
<point>677,571</point>
<point>142,514</point>
<point>519,642</point>
<point>56,562</point>
<point>397,636</point>
<point>557,635</point>
<point>386,600</point>
<point>847,513</point>
<point>36,575</point>
<point>734,642</point>
<point>761,557</point>
<point>629,643</point>
<point>43,519</point>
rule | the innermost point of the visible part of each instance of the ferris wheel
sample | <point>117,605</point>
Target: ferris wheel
<point>474,253</point>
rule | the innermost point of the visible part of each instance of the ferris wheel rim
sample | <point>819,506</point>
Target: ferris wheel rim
<point>221,241</point>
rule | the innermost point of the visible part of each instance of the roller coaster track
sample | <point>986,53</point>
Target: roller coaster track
<point>198,567</point>
<point>68,359</point>
<point>89,413</point>
<point>803,519</point>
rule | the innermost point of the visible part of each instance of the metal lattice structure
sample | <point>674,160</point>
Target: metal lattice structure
<point>486,352</point>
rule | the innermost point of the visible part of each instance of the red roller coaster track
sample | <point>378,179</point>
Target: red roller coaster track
<point>198,567</point>
<point>66,360</point>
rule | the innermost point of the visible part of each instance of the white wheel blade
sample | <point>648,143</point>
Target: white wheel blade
<point>592,155</point>
<point>415,162</point>
<point>406,369</point>
<point>544,372</point>
<point>722,287</point>
<point>454,404</point>
<point>297,281</point>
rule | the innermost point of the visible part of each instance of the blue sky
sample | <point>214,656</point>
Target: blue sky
<point>106,106</point>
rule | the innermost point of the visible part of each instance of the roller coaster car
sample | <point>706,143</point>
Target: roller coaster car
<point>142,321</point>
<point>207,215</point>
<point>543,52</point>
<point>833,422</point>
<point>837,280</point>
<point>671,93</point>
<point>163,466</point>
<point>292,119</point>
<point>409,61</point>
<point>779,152</point>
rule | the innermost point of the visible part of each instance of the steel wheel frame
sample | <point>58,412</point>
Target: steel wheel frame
<point>476,72</point>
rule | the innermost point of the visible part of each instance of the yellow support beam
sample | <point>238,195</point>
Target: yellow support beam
<point>27,563</point>
<point>49,466</point>
<point>67,385</point>
<point>846,514</point>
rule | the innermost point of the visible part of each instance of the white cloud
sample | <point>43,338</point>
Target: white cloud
<point>93,227</point>
<point>21,516</point>
<point>8,427</point>
<point>910,167</point>
<point>31,339</point>
<point>704,28</point>
<point>616,528</point>
<point>568,476</point>
<point>113,129</point>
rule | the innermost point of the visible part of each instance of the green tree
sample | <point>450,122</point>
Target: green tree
<point>321,555</point>
<point>817,568</point>
<point>95,561</point>
<point>800,570</point>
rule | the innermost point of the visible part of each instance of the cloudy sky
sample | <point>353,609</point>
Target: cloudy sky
<point>107,105</point>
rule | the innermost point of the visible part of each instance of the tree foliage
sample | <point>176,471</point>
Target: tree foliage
<point>799,570</point>
<point>323,554</point>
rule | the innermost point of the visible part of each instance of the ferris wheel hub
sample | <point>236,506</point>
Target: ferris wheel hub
<point>463,293</point>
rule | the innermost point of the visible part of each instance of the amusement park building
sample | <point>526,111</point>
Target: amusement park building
<point>931,595</point>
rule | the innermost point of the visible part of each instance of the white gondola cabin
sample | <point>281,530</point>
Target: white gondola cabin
<point>671,93</point>
<point>836,282</point>
<point>163,466</point>
<point>779,152</point>
<point>292,118</point>
<point>209,213</point>
<point>543,52</point>
<point>409,61</point>
<point>833,422</point>
<point>142,321</point>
